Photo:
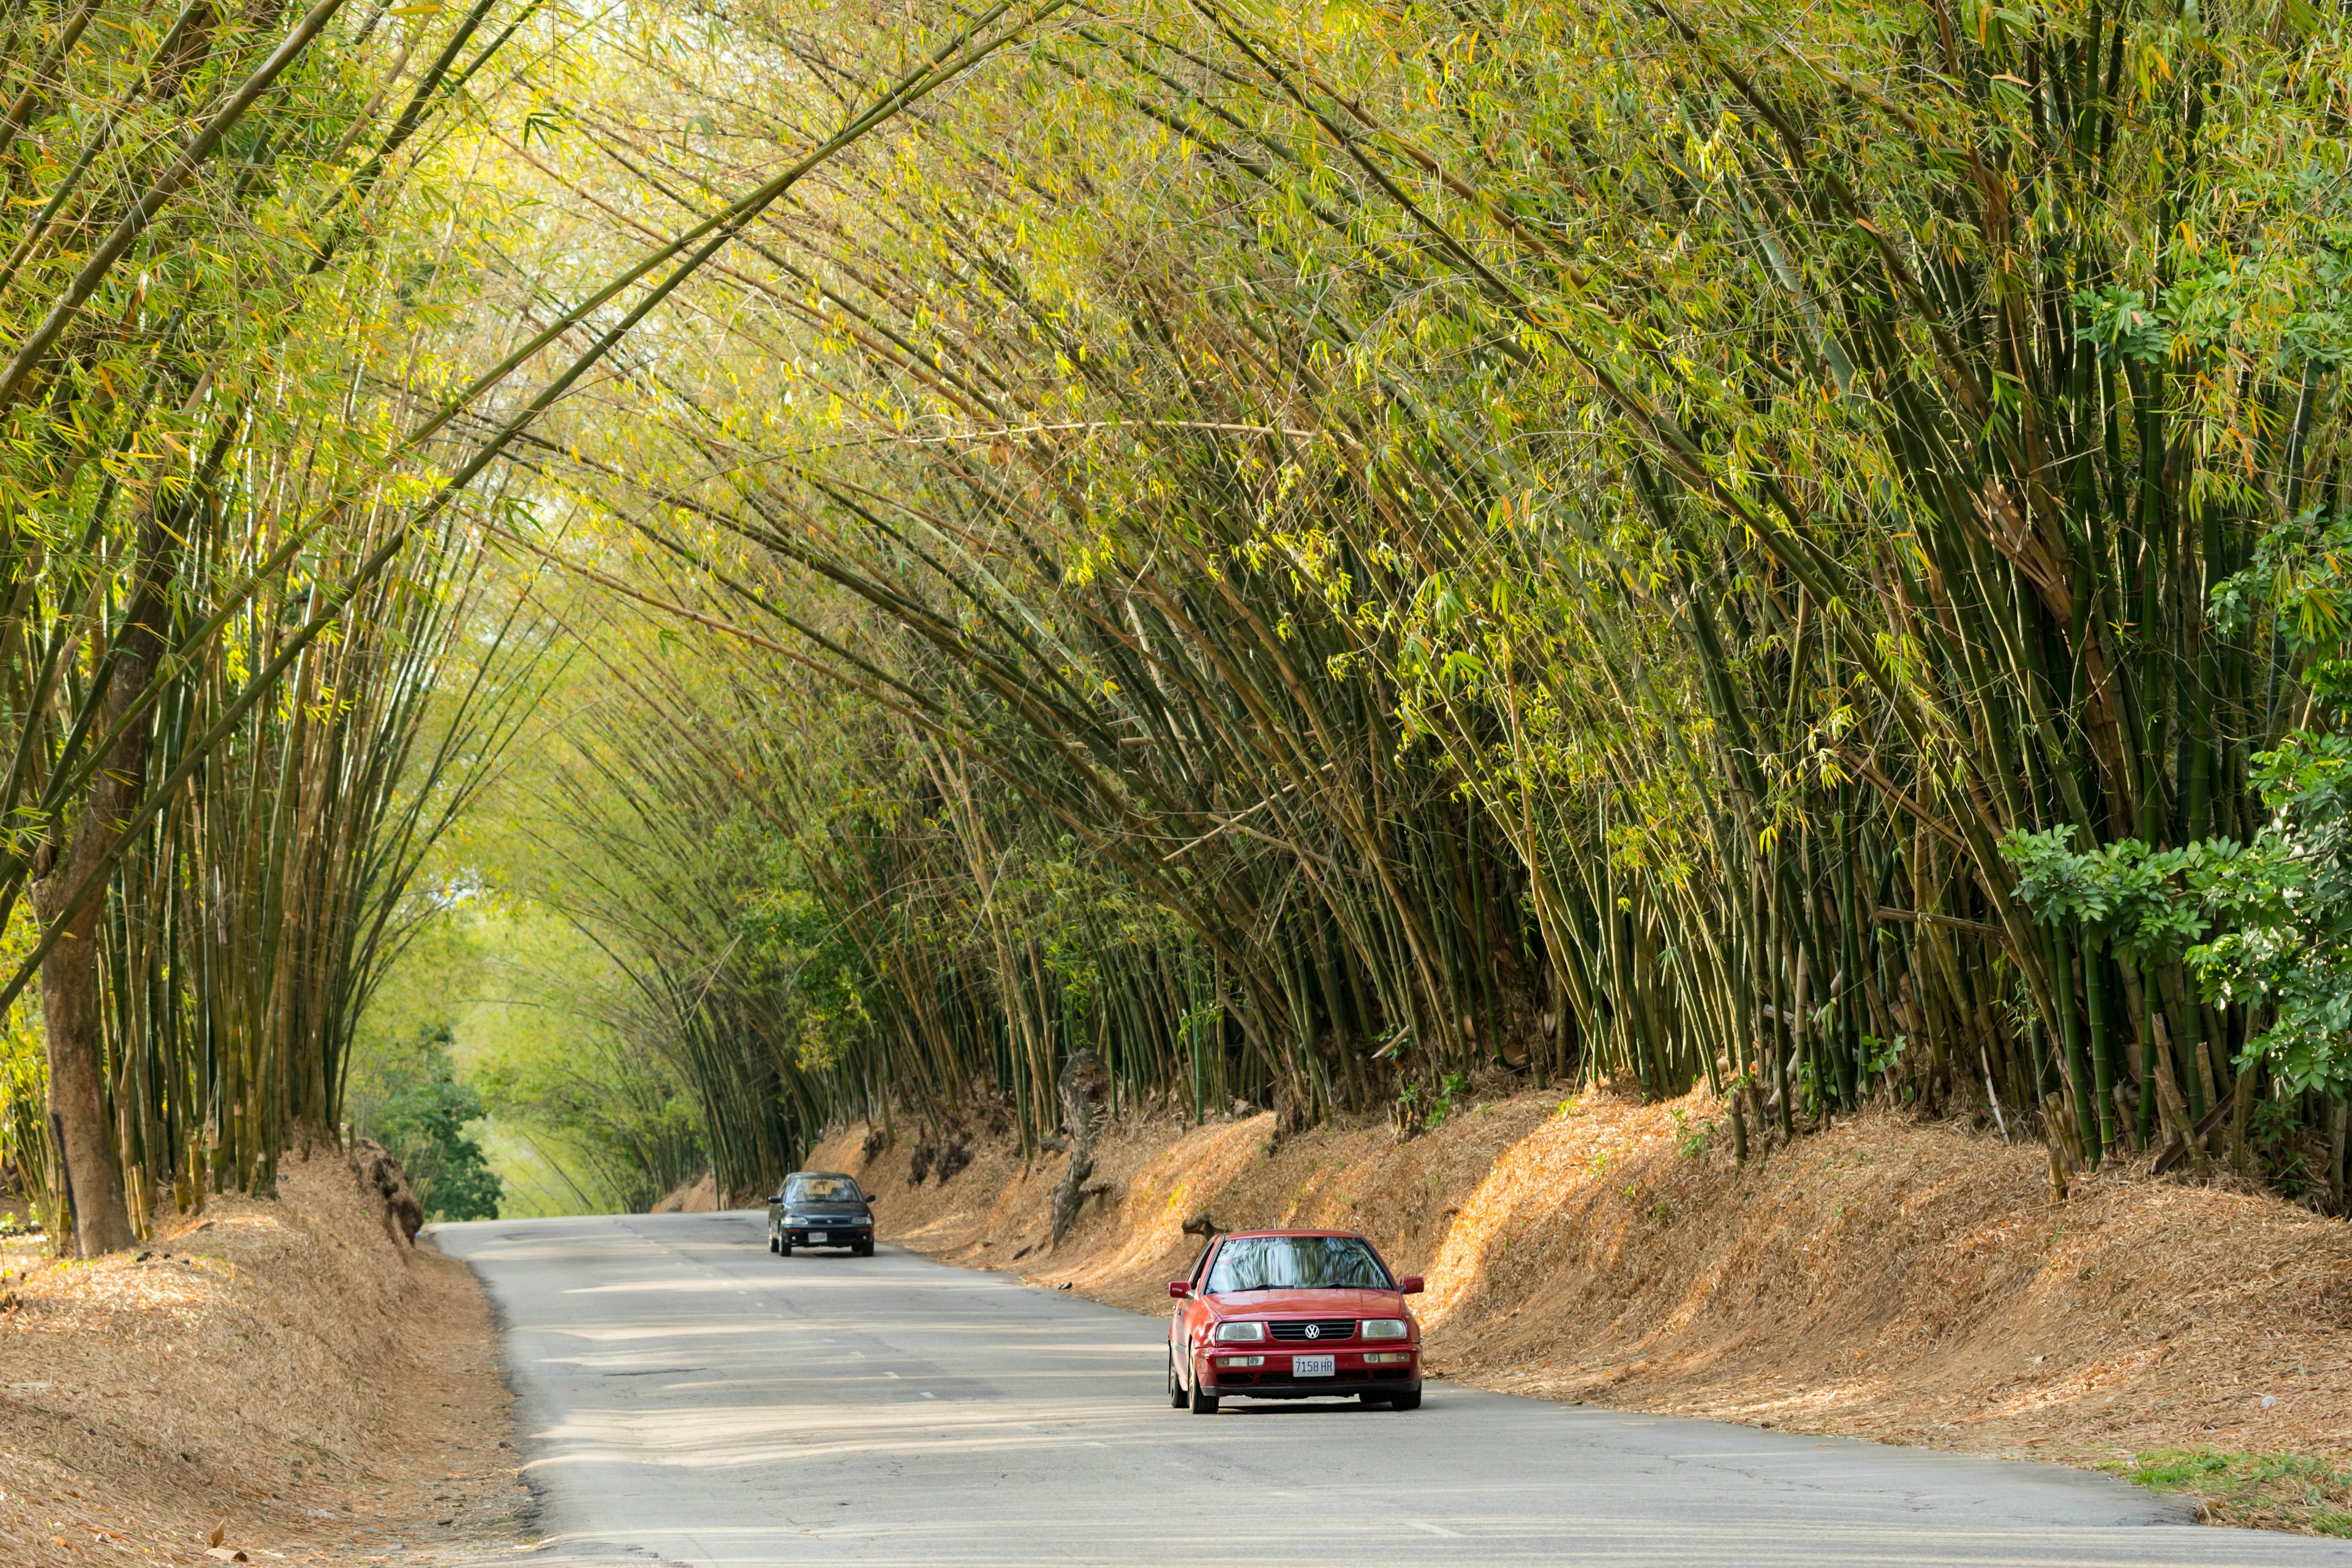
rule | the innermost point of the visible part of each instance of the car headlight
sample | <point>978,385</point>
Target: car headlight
<point>1240,1333</point>
<point>1384,1328</point>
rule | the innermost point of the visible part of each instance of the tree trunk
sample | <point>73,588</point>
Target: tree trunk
<point>83,1129</point>
<point>85,1133</point>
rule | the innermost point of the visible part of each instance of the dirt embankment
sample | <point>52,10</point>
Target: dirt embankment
<point>697,1197</point>
<point>1885,1278</point>
<point>286,1371</point>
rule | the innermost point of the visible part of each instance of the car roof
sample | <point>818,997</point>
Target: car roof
<point>829,1175</point>
<point>1254,1235</point>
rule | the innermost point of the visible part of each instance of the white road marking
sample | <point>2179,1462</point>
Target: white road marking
<point>1435,1528</point>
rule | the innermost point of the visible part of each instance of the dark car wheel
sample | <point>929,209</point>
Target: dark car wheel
<point>1204,1402</point>
<point>1176,1400</point>
<point>864,1249</point>
<point>1371,1400</point>
<point>784,1249</point>
<point>772,1242</point>
<point>1405,1401</point>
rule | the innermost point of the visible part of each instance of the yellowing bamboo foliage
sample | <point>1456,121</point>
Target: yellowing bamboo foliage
<point>1520,539</point>
<point>247,446</point>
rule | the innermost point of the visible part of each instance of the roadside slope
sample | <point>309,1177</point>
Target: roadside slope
<point>286,1371</point>
<point>1606,1252</point>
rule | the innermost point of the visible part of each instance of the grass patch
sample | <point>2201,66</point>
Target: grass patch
<point>2261,1491</point>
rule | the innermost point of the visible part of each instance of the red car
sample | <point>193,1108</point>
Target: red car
<point>1292,1314</point>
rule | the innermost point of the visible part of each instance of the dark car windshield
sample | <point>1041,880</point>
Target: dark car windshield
<point>1296,1263</point>
<point>822,1190</point>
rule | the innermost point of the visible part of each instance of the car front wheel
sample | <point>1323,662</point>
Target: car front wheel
<point>1204,1402</point>
<point>1176,1400</point>
<point>784,1249</point>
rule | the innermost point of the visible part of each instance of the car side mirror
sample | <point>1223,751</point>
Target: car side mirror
<point>867,1200</point>
<point>1179,1287</point>
<point>1410,1284</point>
<point>777,1199</point>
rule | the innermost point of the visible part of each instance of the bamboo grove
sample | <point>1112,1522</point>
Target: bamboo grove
<point>190,337</point>
<point>1319,555</point>
<point>254,661</point>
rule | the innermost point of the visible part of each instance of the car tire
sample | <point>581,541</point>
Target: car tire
<point>1177,1399</point>
<point>784,1248</point>
<point>772,1242</point>
<point>1405,1401</point>
<point>1204,1403</point>
<point>1371,1400</point>
<point>864,1249</point>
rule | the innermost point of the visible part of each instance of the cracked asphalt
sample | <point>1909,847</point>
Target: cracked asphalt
<point>688,1397</point>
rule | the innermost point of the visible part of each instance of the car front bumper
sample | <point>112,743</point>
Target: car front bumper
<point>1344,1386</point>
<point>835,1235</point>
<point>1274,1379</point>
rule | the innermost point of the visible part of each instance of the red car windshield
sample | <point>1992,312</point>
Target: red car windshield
<point>1296,1263</point>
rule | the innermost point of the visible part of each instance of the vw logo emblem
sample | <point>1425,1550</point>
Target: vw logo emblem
<point>1314,1330</point>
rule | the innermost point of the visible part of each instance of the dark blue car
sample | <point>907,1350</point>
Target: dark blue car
<point>820,1208</point>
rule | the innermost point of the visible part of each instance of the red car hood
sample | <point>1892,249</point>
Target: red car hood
<point>1309,1303</point>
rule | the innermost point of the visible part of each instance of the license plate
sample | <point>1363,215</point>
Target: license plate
<point>1314,1366</point>
<point>816,1236</point>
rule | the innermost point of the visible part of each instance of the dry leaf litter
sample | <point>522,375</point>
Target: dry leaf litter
<point>271,1380</point>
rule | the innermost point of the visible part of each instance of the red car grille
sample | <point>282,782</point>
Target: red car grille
<point>1327,1329</point>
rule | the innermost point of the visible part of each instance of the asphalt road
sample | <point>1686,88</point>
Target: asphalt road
<point>688,1397</point>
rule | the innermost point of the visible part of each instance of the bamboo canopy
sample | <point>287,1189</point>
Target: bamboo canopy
<point>251,663</point>
<point>1318,557</point>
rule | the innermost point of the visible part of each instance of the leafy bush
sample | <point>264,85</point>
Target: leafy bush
<point>2267,924</point>
<point>413,1105</point>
